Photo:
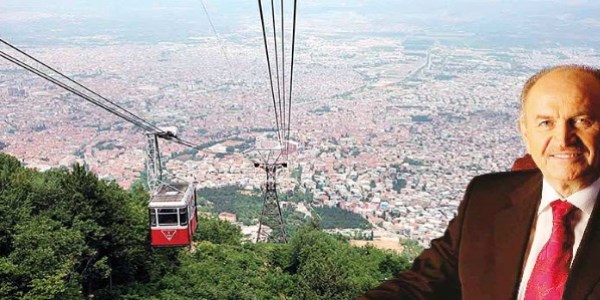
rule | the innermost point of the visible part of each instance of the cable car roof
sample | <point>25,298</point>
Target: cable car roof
<point>172,195</point>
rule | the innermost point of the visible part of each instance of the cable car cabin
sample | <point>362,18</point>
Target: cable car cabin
<point>173,215</point>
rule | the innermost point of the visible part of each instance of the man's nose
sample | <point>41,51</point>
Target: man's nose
<point>564,135</point>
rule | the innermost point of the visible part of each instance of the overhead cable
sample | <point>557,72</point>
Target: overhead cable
<point>123,113</point>
<point>74,91</point>
<point>218,39</point>
<point>140,120</point>
<point>283,64</point>
<point>281,112</point>
<point>269,67</point>
<point>291,74</point>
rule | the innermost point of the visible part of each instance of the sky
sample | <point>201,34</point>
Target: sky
<point>500,23</point>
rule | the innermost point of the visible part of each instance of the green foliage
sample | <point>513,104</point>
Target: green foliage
<point>321,110</point>
<point>413,162</point>
<point>65,234</point>
<point>299,196</point>
<point>8,166</point>
<point>44,253</point>
<point>188,151</point>
<point>218,232</point>
<point>107,145</point>
<point>411,248</point>
<point>297,173</point>
<point>313,265</point>
<point>399,184</point>
<point>329,268</point>
<point>293,219</point>
<point>249,207</point>
<point>230,199</point>
<point>218,272</point>
<point>421,118</point>
<point>334,217</point>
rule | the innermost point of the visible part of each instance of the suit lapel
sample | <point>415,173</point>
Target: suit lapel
<point>512,227</point>
<point>585,271</point>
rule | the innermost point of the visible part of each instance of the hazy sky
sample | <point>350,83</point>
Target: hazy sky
<point>558,22</point>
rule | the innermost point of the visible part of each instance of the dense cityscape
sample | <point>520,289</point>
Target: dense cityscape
<point>391,127</point>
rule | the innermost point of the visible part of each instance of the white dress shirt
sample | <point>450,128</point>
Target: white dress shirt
<point>583,199</point>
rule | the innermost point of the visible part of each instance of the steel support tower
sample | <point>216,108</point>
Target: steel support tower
<point>271,216</point>
<point>154,169</point>
<point>153,163</point>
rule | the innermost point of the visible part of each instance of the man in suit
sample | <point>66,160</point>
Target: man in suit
<point>532,234</point>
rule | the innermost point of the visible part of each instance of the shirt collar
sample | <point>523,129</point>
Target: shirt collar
<point>583,199</point>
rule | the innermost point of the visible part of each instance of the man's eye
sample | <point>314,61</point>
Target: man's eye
<point>583,122</point>
<point>544,123</point>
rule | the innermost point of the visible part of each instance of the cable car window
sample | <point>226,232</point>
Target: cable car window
<point>153,217</point>
<point>183,220</point>
<point>167,216</point>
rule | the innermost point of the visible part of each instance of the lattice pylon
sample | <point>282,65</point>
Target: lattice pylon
<point>271,227</point>
<point>153,163</point>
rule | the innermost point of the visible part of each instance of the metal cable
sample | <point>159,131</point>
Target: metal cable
<point>292,71</point>
<point>148,124</point>
<point>72,90</point>
<point>218,39</point>
<point>269,67</point>
<point>281,112</point>
<point>283,65</point>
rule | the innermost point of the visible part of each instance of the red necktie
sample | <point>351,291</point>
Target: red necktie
<point>552,266</point>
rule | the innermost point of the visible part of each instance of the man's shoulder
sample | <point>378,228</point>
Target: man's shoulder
<point>504,179</point>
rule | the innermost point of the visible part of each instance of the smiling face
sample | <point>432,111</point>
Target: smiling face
<point>560,125</point>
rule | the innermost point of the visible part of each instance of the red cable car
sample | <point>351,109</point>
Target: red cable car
<point>173,215</point>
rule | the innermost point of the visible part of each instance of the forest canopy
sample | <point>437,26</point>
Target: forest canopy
<point>65,234</point>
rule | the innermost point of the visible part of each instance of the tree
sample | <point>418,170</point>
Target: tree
<point>8,166</point>
<point>329,268</point>
<point>334,217</point>
<point>399,184</point>
<point>410,248</point>
<point>65,232</point>
<point>45,260</point>
<point>218,232</point>
<point>297,173</point>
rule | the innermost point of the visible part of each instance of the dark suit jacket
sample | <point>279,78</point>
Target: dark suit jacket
<point>481,254</point>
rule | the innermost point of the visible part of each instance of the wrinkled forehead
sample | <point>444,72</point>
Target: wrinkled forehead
<point>565,86</point>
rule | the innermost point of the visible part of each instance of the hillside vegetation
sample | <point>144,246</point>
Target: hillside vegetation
<point>65,234</point>
<point>248,207</point>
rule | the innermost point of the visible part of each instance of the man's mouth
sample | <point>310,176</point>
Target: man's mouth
<point>566,155</point>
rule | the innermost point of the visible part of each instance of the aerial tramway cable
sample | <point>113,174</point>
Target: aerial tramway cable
<point>277,63</point>
<point>271,216</point>
<point>283,105</point>
<point>72,90</point>
<point>129,116</point>
<point>283,64</point>
<point>280,118</point>
<point>146,124</point>
<point>269,67</point>
<point>291,75</point>
<point>218,39</point>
